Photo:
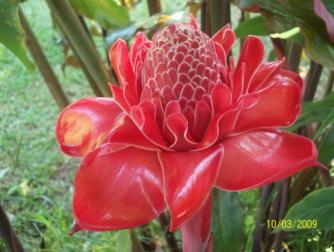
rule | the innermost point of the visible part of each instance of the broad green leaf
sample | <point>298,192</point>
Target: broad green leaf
<point>329,119</point>
<point>254,26</point>
<point>11,34</point>
<point>318,48</point>
<point>318,206</point>
<point>315,112</point>
<point>106,12</point>
<point>228,224</point>
<point>326,148</point>
<point>123,241</point>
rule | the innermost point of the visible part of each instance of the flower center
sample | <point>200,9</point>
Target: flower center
<point>181,65</point>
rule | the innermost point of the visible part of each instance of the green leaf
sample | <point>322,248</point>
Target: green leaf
<point>228,224</point>
<point>315,112</point>
<point>318,48</point>
<point>329,119</point>
<point>11,34</point>
<point>254,26</point>
<point>326,148</point>
<point>106,12</point>
<point>123,241</point>
<point>318,206</point>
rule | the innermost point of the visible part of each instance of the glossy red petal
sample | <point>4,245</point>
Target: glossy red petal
<point>277,106</point>
<point>257,158</point>
<point>117,188</point>
<point>221,98</point>
<point>219,126</point>
<point>120,60</point>
<point>196,232</point>
<point>84,125</point>
<point>143,115</point>
<point>119,97</point>
<point>126,132</point>
<point>251,55</point>
<point>188,180</point>
<point>261,78</point>
<point>226,37</point>
<point>139,41</point>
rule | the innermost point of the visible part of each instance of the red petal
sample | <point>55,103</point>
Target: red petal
<point>226,37</point>
<point>220,125</point>
<point>138,43</point>
<point>188,179</point>
<point>126,132</point>
<point>193,22</point>
<point>83,125</point>
<point>177,124</point>
<point>143,115</point>
<point>119,97</point>
<point>261,78</point>
<point>261,157</point>
<point>277,106</point>
<point>251,55</point>
<point>196,232</point>
<point>117,188</point>
<point>120,60</point>
<point>202,118</point>
<point>221,98</point>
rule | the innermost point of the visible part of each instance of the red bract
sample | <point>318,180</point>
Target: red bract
<point>185,119</point>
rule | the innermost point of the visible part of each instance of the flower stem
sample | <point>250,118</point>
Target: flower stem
<point>312,80</point>
<point>43,64</point>
<point>7,233</point>
<point>170,238</point>
<point>72,27</point>
<point>154,7</point>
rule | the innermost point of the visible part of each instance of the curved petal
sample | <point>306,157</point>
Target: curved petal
<point>258,158</point>
<point>225,37</point>
<point>277,106</point>
<point>196,232</point>
<point>251,56</point>
<point>120,60</point>
<point>188,180</point>
<point>84,125</point>
<point>144,116</point>
<point>126,132</point>
<point>261,78</point>
<point>117,188</point>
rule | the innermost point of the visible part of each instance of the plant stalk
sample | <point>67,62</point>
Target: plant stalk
<point>83,67</point>
<point>312,80</point>
<point>136,245</point>
<point>43,64</point>
<point>294,56</point>
<point>74,30</point>
<point>330,83</point>
<point>154,7</point>
<point>7,233</point>
<point>260,217</point>
<point>220,13</point>
<point>170,238</point>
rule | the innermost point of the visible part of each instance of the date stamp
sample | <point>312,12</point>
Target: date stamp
<point>292,224</point>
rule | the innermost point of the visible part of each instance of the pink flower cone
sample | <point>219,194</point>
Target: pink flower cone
<point>186,119</point>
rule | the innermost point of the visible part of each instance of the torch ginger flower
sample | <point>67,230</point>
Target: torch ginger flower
<point>186,119</point>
